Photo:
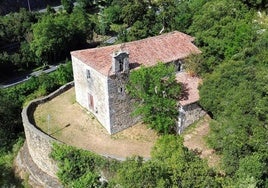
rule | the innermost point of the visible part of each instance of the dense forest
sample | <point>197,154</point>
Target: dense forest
<point>233,38</point>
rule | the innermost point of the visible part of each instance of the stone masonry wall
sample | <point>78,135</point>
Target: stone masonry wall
<point>39,144</point>
<point>188,115</point>
<point>95,85</point>
<point>121,105</point>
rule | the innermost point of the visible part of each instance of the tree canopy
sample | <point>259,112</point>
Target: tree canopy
<point>55,35</point>
<point>156,91</point>
<point>236,94</point>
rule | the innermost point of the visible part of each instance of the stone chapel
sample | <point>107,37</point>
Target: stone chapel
<point>100,77</point>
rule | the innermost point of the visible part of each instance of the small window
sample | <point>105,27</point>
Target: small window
<point>179,66</point>
<point>121,63</point>
<point>88,74</point>
<point>121,90</point>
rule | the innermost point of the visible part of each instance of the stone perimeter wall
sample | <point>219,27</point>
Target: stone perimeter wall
<point>38,144</point>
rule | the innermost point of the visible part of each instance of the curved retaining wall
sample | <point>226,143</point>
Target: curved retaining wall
<point>39,144</point>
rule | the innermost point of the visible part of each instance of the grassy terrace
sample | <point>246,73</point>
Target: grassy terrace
<point>65,120</point>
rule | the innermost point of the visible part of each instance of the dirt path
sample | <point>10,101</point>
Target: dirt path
<point>65,120</point>
<point>195,140</point>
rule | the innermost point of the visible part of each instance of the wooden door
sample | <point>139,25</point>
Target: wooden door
<point>90,101</point>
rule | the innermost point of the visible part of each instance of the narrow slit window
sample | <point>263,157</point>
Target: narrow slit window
<point>121,65</point>
<point>120,90</point>
<point>88,74</point>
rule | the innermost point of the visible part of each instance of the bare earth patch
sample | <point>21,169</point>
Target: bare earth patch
<point>67,121</point>
<point>195,140</point>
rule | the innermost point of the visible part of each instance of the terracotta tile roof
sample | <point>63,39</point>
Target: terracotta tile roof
<point>166,48</point>
<point>190,84</point>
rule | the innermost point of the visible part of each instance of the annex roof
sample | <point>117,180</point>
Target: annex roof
<point>190,93</point>
<point>148,52</point>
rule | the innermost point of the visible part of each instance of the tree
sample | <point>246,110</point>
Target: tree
<point>156,91</point>
<point>149,25</point>
<point>55,36</point>
<point>236,94</point>
<point>222,31</point>
<point>10,121</point>
<point>252,166</point>
<point>50,10</point>
<point>185,168</point>
<point>68,5</point>
<point>109,16</point>
<point>135,172</point>
<point>259,4</point>
<point>171,165</point>
<point>133,10</point>
<point>87,5</point>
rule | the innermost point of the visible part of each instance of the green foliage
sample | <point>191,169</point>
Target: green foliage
<point>89,179</point>
<point>148,18</point>
<point>7,175</point>
<point>156,91</point>
<point>137,173</point>
<point>192,64</point>
<point>88,5</point>
<point>252,166</point>
<point>12,100</point>
<point>259,4</point>
<point>15,29</point>
<point>133,10</point>
<point>15,26</point>
<point>222,29</point>
<point>79,168</point>
<point>64,73</point>
<point>68,5</point>
<point>175,15</point>
<point>50,10</point>
<point>171,165</point>
<point>185,168</point>
<point>54,36</point>
<point>74,163</point>
<point>10,121</point>
<point>108,17</point>
<point>236,94</point>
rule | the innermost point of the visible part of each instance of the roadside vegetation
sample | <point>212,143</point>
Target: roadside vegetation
<point>233,64</point>
<point>11,129</point>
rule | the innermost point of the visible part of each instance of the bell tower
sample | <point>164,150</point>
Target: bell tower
<point>120,62</point>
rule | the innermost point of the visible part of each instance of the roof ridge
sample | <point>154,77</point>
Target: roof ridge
<point>140,40</point>
<point>166,47</point>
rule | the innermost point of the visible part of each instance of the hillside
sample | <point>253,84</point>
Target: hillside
<point>233,38</point>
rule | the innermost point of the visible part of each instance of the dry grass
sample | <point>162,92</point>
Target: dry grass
<point>65,120</point>
<point>194,139</point>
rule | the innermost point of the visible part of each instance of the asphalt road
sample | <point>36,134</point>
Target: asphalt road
<point>21,79</point>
